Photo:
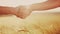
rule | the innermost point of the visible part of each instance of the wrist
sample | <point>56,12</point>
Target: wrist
<point>15,11</point>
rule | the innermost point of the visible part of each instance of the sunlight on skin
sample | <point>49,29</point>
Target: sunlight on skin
<point>36,23</point>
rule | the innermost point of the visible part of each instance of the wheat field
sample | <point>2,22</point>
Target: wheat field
<point>41,23</point>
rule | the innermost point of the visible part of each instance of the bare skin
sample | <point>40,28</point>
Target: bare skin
<point>24,11</point>
<point>50,4</point>
<point>21,11</point>
<point>7,10</point>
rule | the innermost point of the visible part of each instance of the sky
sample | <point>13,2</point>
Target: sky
<point>19,2</point>
<point>14,3</point>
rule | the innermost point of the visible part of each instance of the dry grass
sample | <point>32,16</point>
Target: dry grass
<point>43,23</point>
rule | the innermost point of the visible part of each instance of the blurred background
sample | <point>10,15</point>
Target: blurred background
<point>14,3</point>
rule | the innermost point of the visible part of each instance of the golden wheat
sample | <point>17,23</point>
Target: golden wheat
<point>43,23</point>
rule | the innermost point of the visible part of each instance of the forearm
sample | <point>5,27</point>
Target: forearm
<point>20,11</point>
<point>7,10</point>
<point>45,5</point>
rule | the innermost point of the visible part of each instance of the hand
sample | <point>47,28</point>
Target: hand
<point>23,11</point>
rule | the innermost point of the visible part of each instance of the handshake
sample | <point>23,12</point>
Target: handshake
<point>20,11</point>
<point>24,11</point>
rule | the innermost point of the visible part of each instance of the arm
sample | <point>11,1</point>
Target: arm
<point>20,11</point>
<point>24,11</point>
<point>7,10</point>
<point>45,5</point>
